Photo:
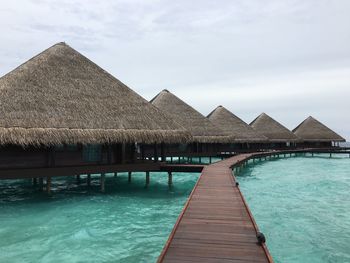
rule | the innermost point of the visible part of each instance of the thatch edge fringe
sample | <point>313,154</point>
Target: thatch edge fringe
<point>213,139</point>
<point>57,136</point>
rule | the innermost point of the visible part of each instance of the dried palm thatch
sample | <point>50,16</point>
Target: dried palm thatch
<point>60,96</point>
<point>311,130</point>
<point>201,128</point>
<point>234,126</point>
<point>272,129</point>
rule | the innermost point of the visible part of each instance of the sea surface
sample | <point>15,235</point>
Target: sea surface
<point>128,223</point>
<point>302,205</point>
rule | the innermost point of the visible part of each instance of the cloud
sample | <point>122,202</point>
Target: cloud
<point>289,58</point>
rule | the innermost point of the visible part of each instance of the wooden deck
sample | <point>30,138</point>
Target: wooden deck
<point>215,224</point>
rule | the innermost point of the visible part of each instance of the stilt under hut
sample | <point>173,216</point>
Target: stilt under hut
<point>206,136</point>
<point>246,138</point>
<point>61,114</point>
<point>279,136</point>
<point>315,134</point>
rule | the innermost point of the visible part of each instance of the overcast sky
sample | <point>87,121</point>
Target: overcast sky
<point>288,58</point>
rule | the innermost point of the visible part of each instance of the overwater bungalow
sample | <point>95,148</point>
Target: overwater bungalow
<point>206,137</point>
<point>279,136</point>
<point>315,134</point>
<point>245,137</point>
<point>61,114</point>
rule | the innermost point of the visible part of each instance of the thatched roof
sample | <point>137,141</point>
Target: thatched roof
<point>201,128</point>
<point>313,130</point>
<point>60,96</point>
<point>272,129</point>
<point>232,125</point>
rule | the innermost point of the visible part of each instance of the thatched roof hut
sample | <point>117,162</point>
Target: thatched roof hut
<point>60,96</point>
<point>232,125</point>
<point>201,128</point>
<point>272,129</point>
<point>311,130</point>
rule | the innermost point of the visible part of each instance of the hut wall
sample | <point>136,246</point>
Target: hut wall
<point>68,155</point>
<point>17,157</point>
<point>314,144</point>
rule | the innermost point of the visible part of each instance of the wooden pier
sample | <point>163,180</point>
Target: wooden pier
<point>216,224</point>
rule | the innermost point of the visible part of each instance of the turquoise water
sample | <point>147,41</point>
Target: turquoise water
<point>302,205</point>
<point>129,223</point>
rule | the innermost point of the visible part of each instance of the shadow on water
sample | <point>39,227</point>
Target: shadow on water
<point>23,190</point>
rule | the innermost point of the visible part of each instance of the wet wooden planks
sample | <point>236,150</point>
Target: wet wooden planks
<point>215,225</point>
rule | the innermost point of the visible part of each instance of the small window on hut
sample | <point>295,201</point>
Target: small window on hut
<point>92,152</point>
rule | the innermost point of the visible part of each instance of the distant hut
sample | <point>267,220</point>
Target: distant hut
<point>315,134</point>
<point>245,136</point>
<point>205,135</point>
<point>59,109</point>
<point>278,135</point>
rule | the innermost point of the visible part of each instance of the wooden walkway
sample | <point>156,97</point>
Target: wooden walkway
<point>215,224</point>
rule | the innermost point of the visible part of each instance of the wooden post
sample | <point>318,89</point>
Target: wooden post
<point>34,181</point>
<point>78,178</point>
<point>41,183</point>
<point>209,159</point>
<point>129,177</point>
<point>147,178</point>
<point>179,159</point>
<point>88,180</point>
<point>102,182</point>
<point>115,174</point>
<point>200,159</point>
<point>48,185</point>
<point>170,179</point>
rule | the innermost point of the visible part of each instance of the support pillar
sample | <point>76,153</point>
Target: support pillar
<point>129,177</point>
<point>209,159</point>
<point>41,184</point>
<point>78,178</point>
<point>200,159</point>
<point>102,182</point>
<point>170,179</point>
<point>88,180</point>
<point>48,185</point>
<point>34,181</point>
<point>147,178</point>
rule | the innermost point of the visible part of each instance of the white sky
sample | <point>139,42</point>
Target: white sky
<point>288,58</point>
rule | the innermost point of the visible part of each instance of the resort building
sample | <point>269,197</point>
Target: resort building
<point>245,137</point>
<point>206,137</point>
<point>278,135</point>
<point>315,134</point>
<point>61,114</point>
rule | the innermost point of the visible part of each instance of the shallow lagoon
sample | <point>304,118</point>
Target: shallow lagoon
<point>129,223</point>
<point>302,205</point>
